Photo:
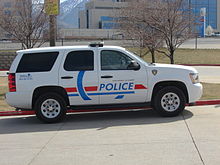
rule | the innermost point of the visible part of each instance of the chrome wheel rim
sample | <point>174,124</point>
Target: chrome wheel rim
<point>170,102</point>
<point>50,108</point>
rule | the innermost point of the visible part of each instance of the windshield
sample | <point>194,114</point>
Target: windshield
<point>137,56</point>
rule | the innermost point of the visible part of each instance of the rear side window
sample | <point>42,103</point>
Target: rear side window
<point>37,62</point>
<point>79,61</point>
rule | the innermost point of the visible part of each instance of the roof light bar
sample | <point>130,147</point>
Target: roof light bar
<point>96,44</point>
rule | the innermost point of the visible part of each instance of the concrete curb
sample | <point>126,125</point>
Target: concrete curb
<point>16,113</point>
<point>207,102</point>
<point>20,113</point>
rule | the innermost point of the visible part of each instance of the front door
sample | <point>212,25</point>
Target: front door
<point>118,84</point>
<point>79,77</point>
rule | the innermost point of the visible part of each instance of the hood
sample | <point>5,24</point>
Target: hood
<point>172,66</point>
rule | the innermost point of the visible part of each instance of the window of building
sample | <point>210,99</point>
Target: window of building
<point>8,36</point>
<point>7,12</point>
<point>211,10</point>
<point>79,61</point>
<point>7,4</point>
<point>114,60</point>
<point>37,62</point>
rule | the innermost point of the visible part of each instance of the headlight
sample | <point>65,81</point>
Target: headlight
<point>194,77</point>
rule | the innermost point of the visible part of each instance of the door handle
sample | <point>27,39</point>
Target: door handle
<point>67,77</point>
<point>106,76</point>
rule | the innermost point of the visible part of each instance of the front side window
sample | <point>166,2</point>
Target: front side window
<point>79,61</point>
<point>114,60</point>
<point>37,62</point>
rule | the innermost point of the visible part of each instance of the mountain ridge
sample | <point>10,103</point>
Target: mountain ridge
<point>69,9</point>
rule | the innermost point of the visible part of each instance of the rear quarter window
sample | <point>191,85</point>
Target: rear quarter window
<point>79,61</point>
<point>37,62</point>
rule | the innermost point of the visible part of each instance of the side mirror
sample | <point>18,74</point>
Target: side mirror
<point>134,66</point>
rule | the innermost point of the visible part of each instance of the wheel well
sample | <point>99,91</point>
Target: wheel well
<point>45,89</point>
<point>178,84</point>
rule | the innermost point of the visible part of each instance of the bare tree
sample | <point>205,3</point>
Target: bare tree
<point>152,22</point>
<point>26,22</point>
<point>174,20</point>
<point>134,24</point>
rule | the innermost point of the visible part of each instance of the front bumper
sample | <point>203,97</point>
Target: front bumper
<point>195,92</point>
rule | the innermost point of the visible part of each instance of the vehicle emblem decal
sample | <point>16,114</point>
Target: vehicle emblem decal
<point>154,72</point>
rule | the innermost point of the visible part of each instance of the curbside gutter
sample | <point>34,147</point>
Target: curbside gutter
<point>20,113</point>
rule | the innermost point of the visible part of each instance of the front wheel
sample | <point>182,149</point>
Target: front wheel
<point>50,108</point>
<point>169,101</point>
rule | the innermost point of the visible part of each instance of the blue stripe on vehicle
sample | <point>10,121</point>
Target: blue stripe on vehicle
<point>80,86</point>
<point>73,94</point>
<point>119,97</point>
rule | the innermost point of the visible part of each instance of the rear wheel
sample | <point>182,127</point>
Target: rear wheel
<point>169,101</point>
<point>50,108</point>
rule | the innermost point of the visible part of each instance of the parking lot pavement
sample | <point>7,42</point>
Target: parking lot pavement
<point>114,138</point>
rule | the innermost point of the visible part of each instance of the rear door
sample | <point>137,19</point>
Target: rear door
<point>79,76</point>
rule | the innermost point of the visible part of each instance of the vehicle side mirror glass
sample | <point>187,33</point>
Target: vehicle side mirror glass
<point>134,66</point>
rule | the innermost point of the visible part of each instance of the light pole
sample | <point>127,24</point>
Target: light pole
<point>52,29</point>
<point>52,8</point>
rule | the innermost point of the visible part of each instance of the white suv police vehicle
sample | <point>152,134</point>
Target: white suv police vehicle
<point>53,80</point>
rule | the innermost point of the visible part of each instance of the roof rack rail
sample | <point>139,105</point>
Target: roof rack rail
<point>96,44</point>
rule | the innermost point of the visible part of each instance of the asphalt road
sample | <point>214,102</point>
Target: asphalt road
<point>210,74</point>
<point>202,43</point>
<point>115,138</point>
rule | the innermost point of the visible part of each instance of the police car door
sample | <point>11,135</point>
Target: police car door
<point>79,77</point>
<point>118,84</point>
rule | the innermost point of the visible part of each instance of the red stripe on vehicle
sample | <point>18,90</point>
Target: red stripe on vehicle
<point>94,88</point>
<point>140,86</point>
<point>71,89</point>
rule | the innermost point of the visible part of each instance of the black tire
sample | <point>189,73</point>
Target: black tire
<point>50,108</point>
<point>169,101</point>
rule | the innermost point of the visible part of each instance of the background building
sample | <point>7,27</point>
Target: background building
<point>100,14</point>
<point>6,7</point>
<point>212,11</point>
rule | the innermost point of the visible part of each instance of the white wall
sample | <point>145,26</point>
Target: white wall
<point>90,33</point>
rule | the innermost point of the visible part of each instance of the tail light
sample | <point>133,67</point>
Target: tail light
<point>12,82</point>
